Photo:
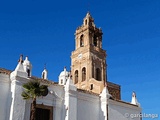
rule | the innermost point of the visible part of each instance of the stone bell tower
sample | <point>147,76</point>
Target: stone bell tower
<point>88,60</point>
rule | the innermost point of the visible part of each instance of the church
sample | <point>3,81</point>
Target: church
<point>84,93</point>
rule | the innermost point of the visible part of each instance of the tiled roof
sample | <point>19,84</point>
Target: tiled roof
<point>5,71</point>
<point>8,72</point>
<point>45,81</point>
<point>126,103</point>
<point>88,92</point>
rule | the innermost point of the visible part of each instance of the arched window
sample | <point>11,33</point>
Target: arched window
<point>83,74</point>
<point>86,22</point>
<point>76,76</point>
<point>98,74</point>
<point>90,23</point>
<point>81,41</point>
<point>93,72</point>
<point>95,40</point>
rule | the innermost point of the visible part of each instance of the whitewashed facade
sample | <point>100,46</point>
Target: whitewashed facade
<point>65,101</point>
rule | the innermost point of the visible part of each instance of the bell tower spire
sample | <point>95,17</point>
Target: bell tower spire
<point>89,59</point>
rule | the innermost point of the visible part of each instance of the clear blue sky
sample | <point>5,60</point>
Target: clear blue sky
<point>44,31</point>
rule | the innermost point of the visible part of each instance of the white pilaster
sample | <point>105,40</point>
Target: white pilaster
<point>18,77</point>
<point>17,110</point>
<point>104,102</point>
<point>70,100</point>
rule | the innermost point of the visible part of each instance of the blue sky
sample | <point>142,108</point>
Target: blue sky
<point>44,31</point>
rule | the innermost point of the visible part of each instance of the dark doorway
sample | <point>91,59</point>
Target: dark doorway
<point>42,114</point>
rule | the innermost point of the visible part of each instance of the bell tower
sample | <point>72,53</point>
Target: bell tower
<point>88,60</point>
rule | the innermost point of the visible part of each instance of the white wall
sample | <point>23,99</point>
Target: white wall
<point>5,97</point>
<point>122,111</point>
<point>88,107</point>
<point>56,99</point>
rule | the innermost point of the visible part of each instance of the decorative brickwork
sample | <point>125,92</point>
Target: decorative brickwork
<point>89,55</point>
<point>88,66</point>
<point>114,90</point>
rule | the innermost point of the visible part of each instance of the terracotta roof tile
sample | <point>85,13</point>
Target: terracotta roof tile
<point>5,71</point>
<point>126,103</point>
<point>44,80</point>
<point>88,92</point>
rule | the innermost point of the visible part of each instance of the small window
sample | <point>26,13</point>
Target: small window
<point>61,81</point>
<point>84,74</point>
<point>91,87</point>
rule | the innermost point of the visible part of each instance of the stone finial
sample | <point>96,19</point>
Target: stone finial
<point>134,99</point>
<point>44,73</point>
<point>65,69</point>
<point>88,14</point>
